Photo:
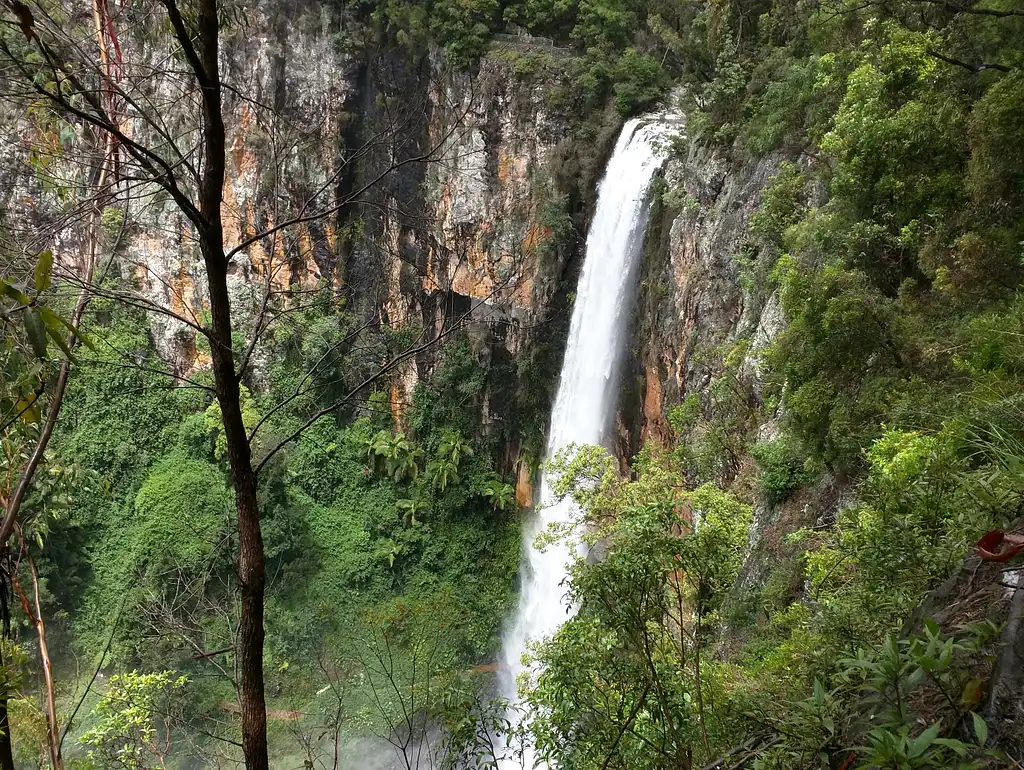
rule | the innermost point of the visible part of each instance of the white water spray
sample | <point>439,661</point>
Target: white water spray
<point>588,383</point>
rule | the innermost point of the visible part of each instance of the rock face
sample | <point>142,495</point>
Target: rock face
<point>484,204</point>
<point>284,55</point>
<point>700,323</point>
<point>692,303</point>
<point>701,329</point>
<point>359,169</point>
<point>416,192</point>
<point>414,186</point>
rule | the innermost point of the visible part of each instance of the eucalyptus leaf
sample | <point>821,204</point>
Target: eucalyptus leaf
<point>43,271</point>
<point>36,331</point>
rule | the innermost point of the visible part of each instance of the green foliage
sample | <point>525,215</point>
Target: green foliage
<point>781,468</point>
<point>29,326</point>
<point>916,232</point>
<point>781,204</point>
<point>911,529</point>
<point>133,720</point>
<point>28,731</point>
<point>839,357</point>
<point>463,27</point>
<point>181,511</point>
<point>124,417</point>
<point>639,82</point>
<point>352,522</point>
<point>890,679</point>
<point>499,494</point>
<point>554,217</point>
<point>443,469</point>
<point>996,167</point>
<point>604,32</point>
<point>723,93</point>
<point>450,399</point>
<point>925,499</point>
<point>626,671</point>
<point>604,24</point>
<point>714,426</point>
<point>873,697</point>
<point>546,17</point>
<point>394,455</point>
<point>891,675</point>
<point>214,422</point>
<point>788,94</point>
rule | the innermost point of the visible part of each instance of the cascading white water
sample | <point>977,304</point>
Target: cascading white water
<point>587,385</point>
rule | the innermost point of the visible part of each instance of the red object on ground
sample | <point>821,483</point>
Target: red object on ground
<point>989,547</point>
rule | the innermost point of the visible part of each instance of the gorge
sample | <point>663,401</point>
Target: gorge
<point>317,314</point>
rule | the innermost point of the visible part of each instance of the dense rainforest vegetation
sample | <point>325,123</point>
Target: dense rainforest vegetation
<point>881,438</point>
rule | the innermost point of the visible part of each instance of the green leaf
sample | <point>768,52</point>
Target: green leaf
<point>980,729</point>
<point>53,320</point>
<point>29,409</point>
<point>36,332</point>
<point>8,290</point>
<point>58,338</point>
<point>43,270</point>
<point>924,740</point>
<point>915,678</point>
<point>958,746</point>
<point>972,693</point>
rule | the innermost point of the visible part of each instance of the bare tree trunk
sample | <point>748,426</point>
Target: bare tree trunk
<point>251,566</point>
<point>53,731</point>
<point>36,618</point>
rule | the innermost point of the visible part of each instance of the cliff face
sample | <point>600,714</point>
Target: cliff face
<point>424,177</point>
<point>696,374</point>
<point>692,301</point>
<point>700,329</point>
<point>483,197</point>
<point>467,233</point>
<point>431,179</point>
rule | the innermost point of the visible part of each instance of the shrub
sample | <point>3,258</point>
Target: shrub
<point>639,82</point>
<point>782,468</point>
<point>180,512</point>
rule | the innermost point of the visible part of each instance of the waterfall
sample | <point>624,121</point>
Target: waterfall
<point>587,387</point>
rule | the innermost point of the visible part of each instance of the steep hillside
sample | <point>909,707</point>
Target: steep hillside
<point>819,417</point>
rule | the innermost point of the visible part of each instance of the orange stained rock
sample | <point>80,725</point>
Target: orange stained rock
<point>656,427</point>
<point>524,486</point>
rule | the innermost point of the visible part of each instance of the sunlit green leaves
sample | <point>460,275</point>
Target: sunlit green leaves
<point>43,270</point>
<point>29,326</point>
<point>134,719</point>
<point>622,674</point>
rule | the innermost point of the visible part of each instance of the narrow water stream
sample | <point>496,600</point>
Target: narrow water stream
<point>588,383</point>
